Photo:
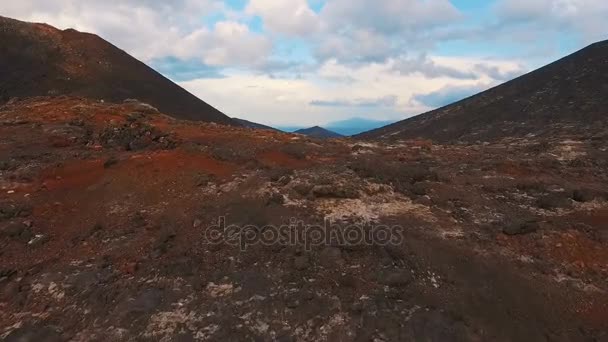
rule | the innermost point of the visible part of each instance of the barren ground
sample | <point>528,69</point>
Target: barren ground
<point>104,209</point>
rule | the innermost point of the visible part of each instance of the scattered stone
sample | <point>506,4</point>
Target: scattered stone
<point>13,230</point>
<point>520,228</point>
<point>110,162</point>
<point>424,200</point>
<point>331,257</point>
<point>10,210</point>
<point>146,302</point>
<point>141,107</point>
<point>220,290</point>
<point>553,201</point>
<point>347,280</point>
<point>303,189</point>
<point>396,278</point>
<point>138,144</point>
<point>280,175</point>
<point>11,290</point>
<point>301,262</point>
<point>39,240</point>
<point>582,195</point>
<point>203,179</point>
<point>336,191</point>
<point>34,334</point>
<point>284,180</point>
<point>129,268</point>
<point>419,189</point>
<point>163,243</point>
<point>276,198</point>
<point>292,301</point>
<point>7,165</point>
<point>139,220</point>
<point>357,306</point>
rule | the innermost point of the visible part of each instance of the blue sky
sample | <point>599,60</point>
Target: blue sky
<point>307,62</point>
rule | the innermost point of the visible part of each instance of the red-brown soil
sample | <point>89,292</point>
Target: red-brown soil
<point>104,210</point>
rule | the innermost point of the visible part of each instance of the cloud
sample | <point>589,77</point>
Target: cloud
<point>386,101</point>
<point>585,18</point>
<point>390,17</point>
<point>448,95</point>
<point>229,43</point>
<point>353,31</point>
<point>375,91</point>
<point>290,17</point>
<point>154,29</point>
<point>496,73</point>
<point>358,46</point>
<point>422,64</point>
<point>185,70</point>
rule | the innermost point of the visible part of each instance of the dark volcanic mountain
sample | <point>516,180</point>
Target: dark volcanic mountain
<point>251,124</point>
<point>567,96</point>
<point>318,132</point>
<point>38,59</point>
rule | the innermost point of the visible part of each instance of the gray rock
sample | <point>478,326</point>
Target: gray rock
<point>583,195</point>
<point>39,240</point>
<point>13,230</point>
<point>520,228</point>
<point>553,201</point>
<point>336,191</point>
<point>302,188</point>
<point>276,198</point>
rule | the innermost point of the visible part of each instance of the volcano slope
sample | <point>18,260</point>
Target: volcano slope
<point>105,215</point>
<point>569,96</point>
<point>40,60</point>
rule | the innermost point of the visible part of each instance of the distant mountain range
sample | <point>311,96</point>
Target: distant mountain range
<point>40,60</point>
<point>567,96</point>
<point>318,132</point>
<point>346,127</point>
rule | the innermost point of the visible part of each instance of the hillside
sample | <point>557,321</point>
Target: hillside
<point>567,96</point>
<point>318,132</point>
<point>251,124</point>
<point>40,60</point>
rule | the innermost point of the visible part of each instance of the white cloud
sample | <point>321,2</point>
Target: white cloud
<point>357,31</point>
<point>152,29</point>
<point>229,43</point>
<point>388,16</point>
<point>374,91</point>
<point>290,17</point>
<point>586,18</point>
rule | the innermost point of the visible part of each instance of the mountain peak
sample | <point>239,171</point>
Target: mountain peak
<point>318,132</point>
<point>40,60</point>
<point>569,95</point>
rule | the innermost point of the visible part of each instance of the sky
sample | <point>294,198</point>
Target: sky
<point>311,62</point>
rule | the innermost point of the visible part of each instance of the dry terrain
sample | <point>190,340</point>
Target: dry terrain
<point>104,210</point>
